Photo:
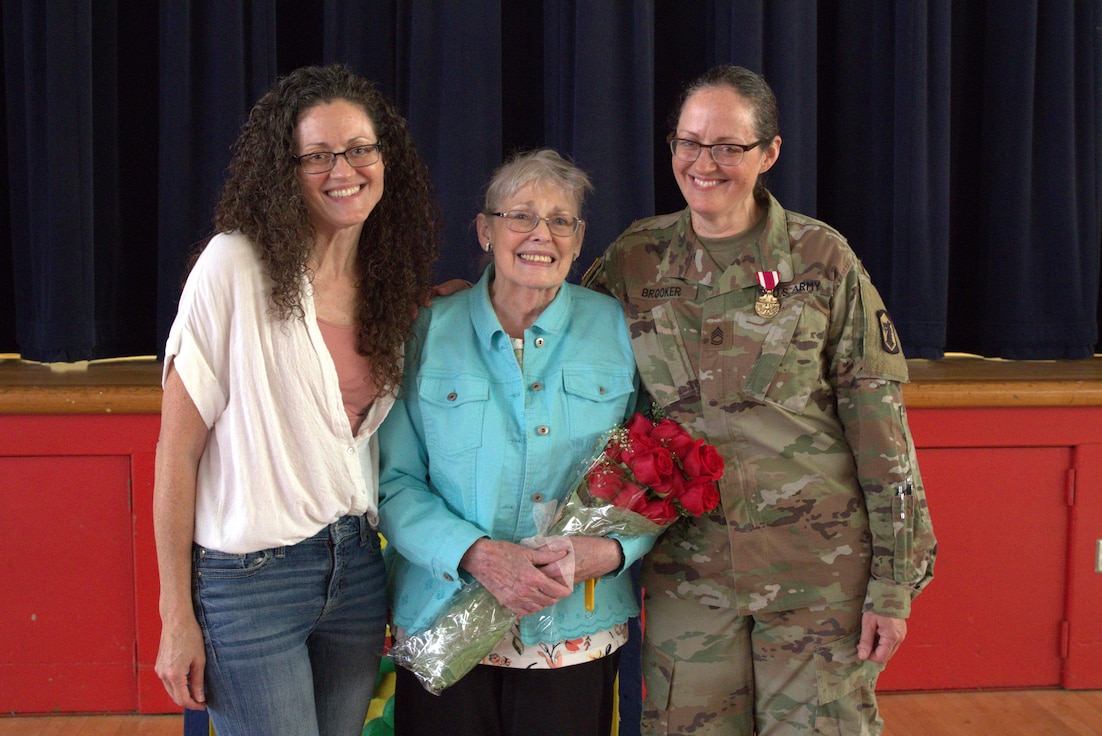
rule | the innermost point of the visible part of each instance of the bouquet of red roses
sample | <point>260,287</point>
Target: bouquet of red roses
<point>656,469</point>
<point>645,476</point>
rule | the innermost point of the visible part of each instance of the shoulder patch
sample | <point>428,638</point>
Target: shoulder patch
<point>888,339</point>
<point>882,353</point>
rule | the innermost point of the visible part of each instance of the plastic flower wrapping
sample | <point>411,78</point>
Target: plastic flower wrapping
<point>645,476</point>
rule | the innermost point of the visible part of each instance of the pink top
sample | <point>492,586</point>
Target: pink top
<point>353,370</point>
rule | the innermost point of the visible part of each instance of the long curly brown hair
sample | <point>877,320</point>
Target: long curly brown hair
<point>262,198</point>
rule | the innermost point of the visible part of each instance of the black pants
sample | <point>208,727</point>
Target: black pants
<point>501,701</point>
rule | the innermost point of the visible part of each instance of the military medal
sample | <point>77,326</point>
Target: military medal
<point>767,304</point>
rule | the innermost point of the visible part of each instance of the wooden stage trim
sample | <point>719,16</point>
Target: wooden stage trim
<point>959,382</point>
<point>134,386</point>
<point>108,387</point>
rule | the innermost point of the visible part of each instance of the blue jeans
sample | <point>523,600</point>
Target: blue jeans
<point>293,634</point>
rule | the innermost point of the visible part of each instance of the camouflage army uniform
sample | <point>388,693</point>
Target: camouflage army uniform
<point>823,514</point>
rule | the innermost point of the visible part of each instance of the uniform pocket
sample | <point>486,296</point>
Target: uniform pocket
<point>903,521</point>
<point>661,356</point>
<point>657,676</point>
<point>789,366</point>
<point>453,407</point>
<point>846,685</point>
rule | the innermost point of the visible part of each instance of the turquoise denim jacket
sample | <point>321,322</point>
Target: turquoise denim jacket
<point>474,444</point>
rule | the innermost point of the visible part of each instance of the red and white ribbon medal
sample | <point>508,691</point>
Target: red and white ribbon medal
<point>767,304</point>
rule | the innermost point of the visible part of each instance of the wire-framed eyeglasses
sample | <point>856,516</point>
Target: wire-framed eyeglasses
<point>724,154</point>
<point>319,162</point>
<point>524,221</point>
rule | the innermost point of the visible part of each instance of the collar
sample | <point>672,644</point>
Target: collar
<point>688,260</point>
<point>487,327</point>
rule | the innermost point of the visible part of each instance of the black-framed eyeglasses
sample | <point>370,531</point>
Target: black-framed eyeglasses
<point>319,162</point>
<point>523,221</point>
<point>724,154</point>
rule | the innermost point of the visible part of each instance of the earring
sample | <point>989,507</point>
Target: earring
<point>489,247</point>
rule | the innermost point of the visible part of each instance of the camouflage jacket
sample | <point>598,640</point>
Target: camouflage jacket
<point>822,500</point>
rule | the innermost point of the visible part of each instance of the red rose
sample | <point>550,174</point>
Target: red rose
<point>660,511</point>
<point>605,481</point>
<point>672,486</point>
<point>653,467</point>
<point>630,497</point>
<point>672,435</point>
<point>639,425</point>
<point>702,461</point>
<point>700,495</point>
<point>638,438</point>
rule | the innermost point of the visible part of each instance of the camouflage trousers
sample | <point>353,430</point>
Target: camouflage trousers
<point>710,671</point>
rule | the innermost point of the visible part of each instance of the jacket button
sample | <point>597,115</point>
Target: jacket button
<point>539,342</point>
<point>453,396</point>
<point>538,497</point>
<point>543,430</point>
<point>448,577</point>
<point>537,386</point>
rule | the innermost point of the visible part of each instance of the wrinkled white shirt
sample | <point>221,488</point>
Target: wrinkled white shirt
<point>281,461</point>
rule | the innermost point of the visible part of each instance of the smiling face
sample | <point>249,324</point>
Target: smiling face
<point>721,198</point>
<point>531,266</point>
<point>339,200</point>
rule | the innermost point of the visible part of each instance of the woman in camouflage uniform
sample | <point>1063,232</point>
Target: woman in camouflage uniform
<point>759,330</point>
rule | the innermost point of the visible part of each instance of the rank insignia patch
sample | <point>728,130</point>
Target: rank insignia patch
<point>889,340</point>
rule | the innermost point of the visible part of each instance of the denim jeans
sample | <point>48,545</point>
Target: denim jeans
<point>293,634</point>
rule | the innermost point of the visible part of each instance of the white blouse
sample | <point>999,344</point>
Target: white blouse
<point>281,461</point>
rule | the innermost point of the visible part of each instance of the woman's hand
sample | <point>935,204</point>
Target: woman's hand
<point>447,288</point>
<point>880,637</point>
<point>180,662</point>
<point>593,557</point>
<point>513,574</point>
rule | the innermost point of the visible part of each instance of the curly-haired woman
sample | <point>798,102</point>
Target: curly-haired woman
<point>281,365</point>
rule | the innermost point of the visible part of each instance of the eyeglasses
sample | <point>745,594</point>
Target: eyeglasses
<point>724,154</point>
<point>523,221</point>
<point>319,162</point>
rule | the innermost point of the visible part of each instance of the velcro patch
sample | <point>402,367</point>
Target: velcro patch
<point>882,350</point>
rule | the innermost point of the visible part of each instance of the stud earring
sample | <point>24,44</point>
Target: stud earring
<point>489,247</point>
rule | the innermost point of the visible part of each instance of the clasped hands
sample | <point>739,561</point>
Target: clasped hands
<point>526,580</point>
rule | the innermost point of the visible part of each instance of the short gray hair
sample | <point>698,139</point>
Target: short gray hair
<point>542,166</point>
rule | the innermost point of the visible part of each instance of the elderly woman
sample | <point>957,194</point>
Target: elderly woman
<point>282,363</point>
<point>758,329</point>
<point>508,388</point>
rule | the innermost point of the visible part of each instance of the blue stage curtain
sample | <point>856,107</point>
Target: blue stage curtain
<point>216,59</point>
<point>450,88</point>
<point>599,112</point>
<point>82,260</point>
<point>955,144</point>
<point>1034,194</point>
<point>884,154</point>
